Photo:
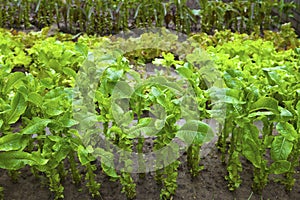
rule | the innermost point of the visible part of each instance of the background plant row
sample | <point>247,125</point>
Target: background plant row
<point>111,16</point>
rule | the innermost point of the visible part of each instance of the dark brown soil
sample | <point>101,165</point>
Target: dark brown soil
<point>210,184</point>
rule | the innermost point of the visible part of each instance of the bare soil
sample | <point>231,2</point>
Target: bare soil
<point>210,184</point>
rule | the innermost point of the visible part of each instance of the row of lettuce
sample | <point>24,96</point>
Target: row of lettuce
<point>262,83</point>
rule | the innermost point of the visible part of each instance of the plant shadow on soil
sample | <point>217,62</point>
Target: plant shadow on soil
<point>210,184</point>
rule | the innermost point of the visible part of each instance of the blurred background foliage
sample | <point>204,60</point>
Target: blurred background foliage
<point>103,17</point>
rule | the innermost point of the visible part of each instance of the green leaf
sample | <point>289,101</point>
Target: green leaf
<point>36,126</point>
<point>285,113</point>
<point>185,72</point>
<point>265,103</point>
<point>281,148</point>
<point>82,49</point>
<point>287,130</point>
<point>14,160</point>
<point>18,107</point>
<point>62,149</point>
<point>110,171</point>
<point>194,131</point>
<point>52,107</point>
<point>69,72</point>
<point>66,122</point>
<point>122,90</point>
<point>13,79</point>
<point>13,141</point>
<point>83,155</point>
<point>35,98</point>
<point>280,167</point>
<point>251,151</point>
<point>107,162</point>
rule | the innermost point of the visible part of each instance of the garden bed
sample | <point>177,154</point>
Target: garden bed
<point>49,140</point>
<point>210,184</point>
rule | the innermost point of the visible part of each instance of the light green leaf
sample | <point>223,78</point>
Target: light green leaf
<point>36,126</point>
<point>280,167</point>
<point>14,160</point>
<point>35,98</point>
<point>53,107</point>
<point>287,130</point>
<point>13,141</point>
<point>265,103</point>
<point>194,131</point>
<point>280,148</point>
<point>260,113</point>
<point>13,79</point>
<point>69,72</point>
<point>18,107</point>
<point>82,49</point>
<point>251,151</point>
<point>185,72</point>
<point>83,155</point>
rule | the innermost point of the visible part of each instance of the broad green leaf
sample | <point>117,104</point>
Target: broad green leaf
<point>159,124</point>
<point>110,171</point>
<point>287,130</point>
<point>122,90</point>
<point>251,151</point>
<point>82,49</point>
<point>66,122</point>
<point>13,141</point>
<point>107,162</point>
<point>265,103</point>
<point>36,126</point>
<point>69,72</point>
<point>53,107</point>
<point>14,160</point>
<point>226,95</point>
<point>18,107</point>
<point>280,148</point>
<point>195,131</point>
<point>1,123</point>
<point>280,167</point>
<point>114,74</point>
<point>13,79</point>
<point>144,127</point>
<point>185,72</point>
<point>35,98</point>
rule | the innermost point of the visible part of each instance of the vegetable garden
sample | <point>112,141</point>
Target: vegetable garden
<point>132,113</point>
